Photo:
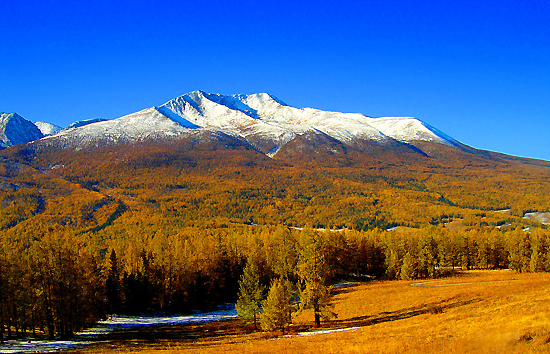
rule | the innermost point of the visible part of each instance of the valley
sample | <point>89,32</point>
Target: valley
<point>163,211</point>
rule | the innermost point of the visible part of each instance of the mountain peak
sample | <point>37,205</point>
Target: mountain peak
<point>84,122</point>
<point>261,119</point>
<point>409,129</point>
<point>15,129</point>
<point>48,128</point>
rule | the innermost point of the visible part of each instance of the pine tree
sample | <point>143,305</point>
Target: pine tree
<point>282,255</point>
<point>251,292</point>
<point>3,289</point>
<point>312,273</point>
<point>276,308</point>
<point>112,284</point>
<point>408,269</point>
<point>282,259</point>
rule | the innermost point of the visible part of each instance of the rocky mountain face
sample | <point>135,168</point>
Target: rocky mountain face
<point>48,128</point>
<point>261,121</point>
<point>14,130</point>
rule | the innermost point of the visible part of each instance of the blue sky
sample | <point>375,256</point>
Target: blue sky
<point>477,70</point>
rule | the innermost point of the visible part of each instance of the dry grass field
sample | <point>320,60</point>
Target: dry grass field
<point>472,312</point>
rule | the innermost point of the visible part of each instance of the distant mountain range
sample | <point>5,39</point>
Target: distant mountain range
<point>261,120</point>
<point>254,159</point>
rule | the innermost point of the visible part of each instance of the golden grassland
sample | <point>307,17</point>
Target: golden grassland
<point>472,312</point>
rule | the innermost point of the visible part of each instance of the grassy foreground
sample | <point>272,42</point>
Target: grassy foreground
<point>476,312</point>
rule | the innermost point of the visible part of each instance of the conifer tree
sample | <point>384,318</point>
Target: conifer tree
<point>312,272</point>
<point>112,284</point>
<point>282,255</point>
<point>251,292</point>
<point>276,308</point>
<point>282,259</point>
<point>392,264</point>
<point>408,269</point>
<point>426,254</point>
<point>3,290</point>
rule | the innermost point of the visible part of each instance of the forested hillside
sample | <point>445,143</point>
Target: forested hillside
<point>169,226</point>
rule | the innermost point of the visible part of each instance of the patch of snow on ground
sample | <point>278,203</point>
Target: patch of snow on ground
<point>327,331</point>
<point>345,284</point>
<point>41,346</point>
<point>116,322</point>
<point>138,321</point>
<point>543,218</point>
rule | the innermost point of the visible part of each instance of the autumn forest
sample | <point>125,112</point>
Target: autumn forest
<point>166,228</point>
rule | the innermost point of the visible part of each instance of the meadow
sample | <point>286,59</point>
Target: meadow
<point>470,312</point>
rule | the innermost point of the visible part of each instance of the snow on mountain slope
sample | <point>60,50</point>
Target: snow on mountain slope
<point>48,128</point>
<point>262,120</point>
<point>231,116</point>
<point>146,124</point>
<point>266,122</point>
<point>407,129</point>
<point>82,123</point>
<point>341,126</point>
<point>14,129</point>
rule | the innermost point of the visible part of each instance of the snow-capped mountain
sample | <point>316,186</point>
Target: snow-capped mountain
<point>84,122</point>
<point>15,129</point>
<point>261,120</point>
<point>48,128</point>
<point>409,130</point>
<point>143,125</point>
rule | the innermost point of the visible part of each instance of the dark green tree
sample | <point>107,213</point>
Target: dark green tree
<point>112,285</point>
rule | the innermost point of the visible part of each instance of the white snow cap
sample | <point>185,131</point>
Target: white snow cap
<point>48,128</point>
<point>15,129</point>
<point>263,120</point>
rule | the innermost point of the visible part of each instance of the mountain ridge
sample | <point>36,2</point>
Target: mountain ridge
<point>15,129</point>
<point>262,120</point>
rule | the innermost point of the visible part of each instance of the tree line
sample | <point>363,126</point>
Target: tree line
<point>60,283</point>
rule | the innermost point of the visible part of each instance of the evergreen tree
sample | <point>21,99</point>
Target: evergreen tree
<point>251,292</point>
<point>282,258</point>
<point>392,265</point>
<point>498,255</point>
<point>112,285</point>
<point>3,289</point>
<point>282,255</point>
<point>426,256</point>
<point>276,307</point>
<point>312,272</point>
<point>408,269</point>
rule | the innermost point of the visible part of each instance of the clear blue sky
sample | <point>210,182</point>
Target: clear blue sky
<point>477,70</point>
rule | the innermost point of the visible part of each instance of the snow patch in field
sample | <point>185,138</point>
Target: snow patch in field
<point>116,322</point>
<point>543,218</point>
<point>38,346</point>
<point>346,284</point>
<point>327,331</point>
